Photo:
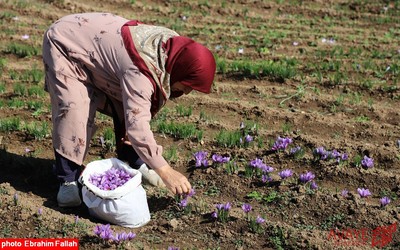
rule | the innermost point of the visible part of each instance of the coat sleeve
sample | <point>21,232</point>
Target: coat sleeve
<point>136,94</point>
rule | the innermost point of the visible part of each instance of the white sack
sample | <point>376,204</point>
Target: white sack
<point>125,206</point>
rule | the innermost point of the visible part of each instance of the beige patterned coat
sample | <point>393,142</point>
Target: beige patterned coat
<point>85,62</point>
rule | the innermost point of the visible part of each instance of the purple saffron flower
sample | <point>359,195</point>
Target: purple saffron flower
<point>345,192</point>
<point>309,176</point>
<point>295,150</point>
<point>384,201</point>
<point>248,138</point>
<point>40,211</point>
<point>344,157</point>
<point>265,178</point>
<point>284,174</point>
<point>321,153</point>
<point>191,193</point>
<point>220,159</point>
<point>110,179</point>
<point>173,248</point>
<point>214,215</point>
<point>256,163</point>
<point>367,162</point>
<point>260,220</point>
<point>266,169</point>
<point>335,154</point>
<point>314,185</point>
<point>281,143</point>
<point>183,203</point>
<point>104,232</point>
<point>76,219</point>
<point>227,206</point>
<point>119,237</point>
<point>131,236</point>
<point>201,158</point>
<point>364,192</point>
<point>219,206</point>
<point>246,208</point>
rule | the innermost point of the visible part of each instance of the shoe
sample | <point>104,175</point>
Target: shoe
<point>150,176</point>
<point>68,195</point>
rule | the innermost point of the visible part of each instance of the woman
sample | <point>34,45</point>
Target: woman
<point>128,70</point>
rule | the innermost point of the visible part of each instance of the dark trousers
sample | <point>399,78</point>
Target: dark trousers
<point>68,171</point>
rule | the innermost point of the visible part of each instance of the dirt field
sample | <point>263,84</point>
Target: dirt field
<point>330,79</point>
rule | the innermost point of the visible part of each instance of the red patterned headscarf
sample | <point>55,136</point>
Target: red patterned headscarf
<point>190,63</point>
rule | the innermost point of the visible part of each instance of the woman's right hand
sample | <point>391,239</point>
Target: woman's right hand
<point>174,180</point>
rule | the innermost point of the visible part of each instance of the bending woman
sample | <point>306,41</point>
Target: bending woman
<point>125,69</point>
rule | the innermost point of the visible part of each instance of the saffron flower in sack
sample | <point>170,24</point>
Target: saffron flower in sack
<point>110,179</point>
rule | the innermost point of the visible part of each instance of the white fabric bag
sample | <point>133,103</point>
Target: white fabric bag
<point>125,206</point>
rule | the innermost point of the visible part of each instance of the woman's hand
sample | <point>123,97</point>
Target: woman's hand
<point>173,180</point>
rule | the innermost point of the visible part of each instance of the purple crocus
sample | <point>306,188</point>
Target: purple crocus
<point>367,162</point>
<point>260,220</point>
<point>281,143</point>
<point>364,192</point>
<point>110,179</point>
<point>309,176</point>
<point>321,153</point>
<point>266,169</point>
<point>131,236</point>
<point>246,208</point>
<point>266,178</point>
<point>201,158</point>
<point>219,206</point>
<point>256,163</point>
<point>220,159</point>
<point>345,192</point>
<point>183,203</point>
<point>284,174</point>
<point>222,212</point>
<point>295,150</point>
<point>119,237</point>
<point>384,201</point>
<point>173,248</point>
<point>314,185</point>
<point>40,211</point>
<point>104,232</point>
<point>227,206</point>
<point>248,138</point>
<point>191,193</point>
